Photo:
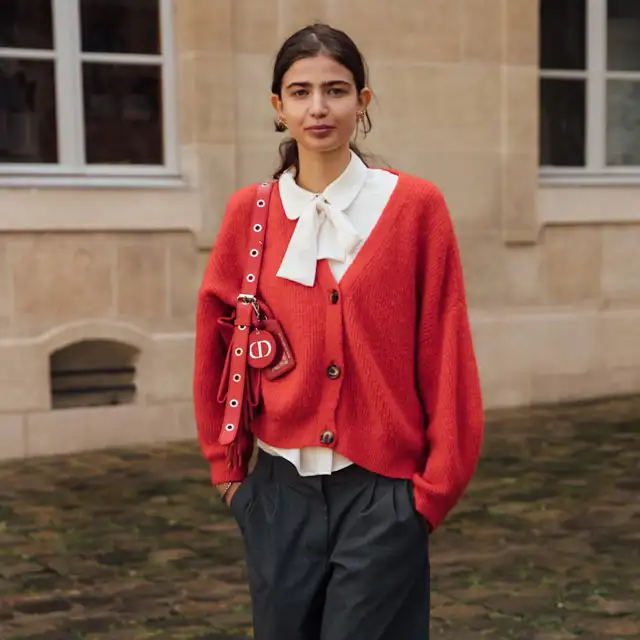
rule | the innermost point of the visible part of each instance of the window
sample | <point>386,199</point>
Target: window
<point>590,88</point>
<point>86,87</point>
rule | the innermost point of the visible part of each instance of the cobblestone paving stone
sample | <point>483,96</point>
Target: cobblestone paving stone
<point>133,544</point>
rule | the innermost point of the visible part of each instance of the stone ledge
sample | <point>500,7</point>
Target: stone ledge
<point>69,431</point>
<point>529,356</point>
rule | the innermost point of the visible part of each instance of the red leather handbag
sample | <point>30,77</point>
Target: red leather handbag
<point>256,343</point>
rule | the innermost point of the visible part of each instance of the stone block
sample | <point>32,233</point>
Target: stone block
<point>483,263</point>
<point>595,204</point>
<point>406,111</point>
<point>426,31</point>
<point>572,264</point>
<point>569,387</point>
<point>522,110</point>
<point>503,347</point>
<point>565,343</point>
<point>519,203</point>
<point>255,115</point>
<point>522,27</point>
<point>255,26</point>
<point>24,377</point>
<point>67,211</point>
<point>257,162</point>
<point>619,337</point>
<point>482,39</point>
<point>523,274</point>
<point>621,263</point>
<point>168,369</point>
<point>593,385</point>
<point>142,278</point>
<point>73,430</point>
<point>297,14</point>
<point>12,440</point>
<point>62,276</point>
<point>184,277</point>
<point>203,26</point>
<point>187,429</point>
<point>428,107</point>
<point>217,180</point>
<point>504,358</point>
<point>6,303</point>
<point>514,391</point>
<point>207,109</point>
<point>469,97</point>
<point>471,184</point>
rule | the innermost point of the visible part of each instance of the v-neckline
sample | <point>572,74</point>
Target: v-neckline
<point>370,246</point>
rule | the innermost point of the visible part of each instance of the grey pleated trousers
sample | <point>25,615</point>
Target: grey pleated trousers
<point>339,557</point>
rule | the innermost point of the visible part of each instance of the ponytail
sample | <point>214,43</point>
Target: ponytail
<point>289,157</point>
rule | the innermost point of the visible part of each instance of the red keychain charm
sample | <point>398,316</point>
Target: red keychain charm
<point>262,349</point>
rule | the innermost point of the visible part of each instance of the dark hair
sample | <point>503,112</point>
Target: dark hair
<point>309,42</point>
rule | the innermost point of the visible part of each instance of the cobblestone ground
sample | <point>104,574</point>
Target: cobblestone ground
<point>130,545</point>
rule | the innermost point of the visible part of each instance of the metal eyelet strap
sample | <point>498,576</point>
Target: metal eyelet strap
<point>247,305</point>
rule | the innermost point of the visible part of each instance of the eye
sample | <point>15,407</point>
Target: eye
<point>300,93</point>
<point>337,92</point>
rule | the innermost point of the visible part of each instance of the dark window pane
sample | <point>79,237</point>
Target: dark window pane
<point>562,123</point>
<point>563,34</point>
<point>623,123</point>
<point>26,24</point>
<point>120,26</point>
<point>623,35</point>
<point>123,114</point>
<point>27,111</point>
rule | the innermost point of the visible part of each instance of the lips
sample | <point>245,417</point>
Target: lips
<point>320,128</point>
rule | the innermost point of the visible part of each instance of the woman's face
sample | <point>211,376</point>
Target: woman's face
<point>319,104</point>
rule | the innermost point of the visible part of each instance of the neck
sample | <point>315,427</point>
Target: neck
<point>319,170</point>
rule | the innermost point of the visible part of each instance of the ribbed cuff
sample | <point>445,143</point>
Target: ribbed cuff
<point>425,508</point>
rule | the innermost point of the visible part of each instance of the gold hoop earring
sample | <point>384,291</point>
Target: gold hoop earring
<point>282,123</point>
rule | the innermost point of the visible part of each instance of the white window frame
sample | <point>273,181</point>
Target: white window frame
<point>68,58</point>
<point>596,75</point>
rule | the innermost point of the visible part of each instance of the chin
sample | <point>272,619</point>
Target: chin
<point>327,145</point>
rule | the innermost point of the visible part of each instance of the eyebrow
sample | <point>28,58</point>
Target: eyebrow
<point>306,85</point>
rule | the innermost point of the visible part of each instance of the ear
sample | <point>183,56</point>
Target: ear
<point>276,103</point>
<point>365,98</point>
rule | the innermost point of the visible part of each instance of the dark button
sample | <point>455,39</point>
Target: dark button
<point>334,297</point>
<point>327,438</point>
<point>333,372</point>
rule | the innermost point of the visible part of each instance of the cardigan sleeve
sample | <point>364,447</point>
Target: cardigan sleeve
<point>216,299</point>
<point>447,376</point>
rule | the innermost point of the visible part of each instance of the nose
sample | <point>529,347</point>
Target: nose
<point>318,107</point>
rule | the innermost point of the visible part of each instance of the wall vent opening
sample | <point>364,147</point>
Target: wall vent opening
<point>93,373</point>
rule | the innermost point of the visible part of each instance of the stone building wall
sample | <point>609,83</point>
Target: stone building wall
<point>555,307</point>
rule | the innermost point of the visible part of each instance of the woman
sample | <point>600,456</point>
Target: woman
<point>371,439</point>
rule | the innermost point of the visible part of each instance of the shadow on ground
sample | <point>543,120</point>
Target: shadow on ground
<point>133,544</point>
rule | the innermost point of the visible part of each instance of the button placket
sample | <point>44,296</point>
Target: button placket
<point>334,363</point>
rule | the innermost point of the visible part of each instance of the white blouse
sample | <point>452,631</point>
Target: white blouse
<point>331,225</point>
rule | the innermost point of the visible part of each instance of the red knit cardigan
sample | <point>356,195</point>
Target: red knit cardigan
<point>407,401</point>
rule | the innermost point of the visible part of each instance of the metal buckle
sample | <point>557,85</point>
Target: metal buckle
<point>249,299</point>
